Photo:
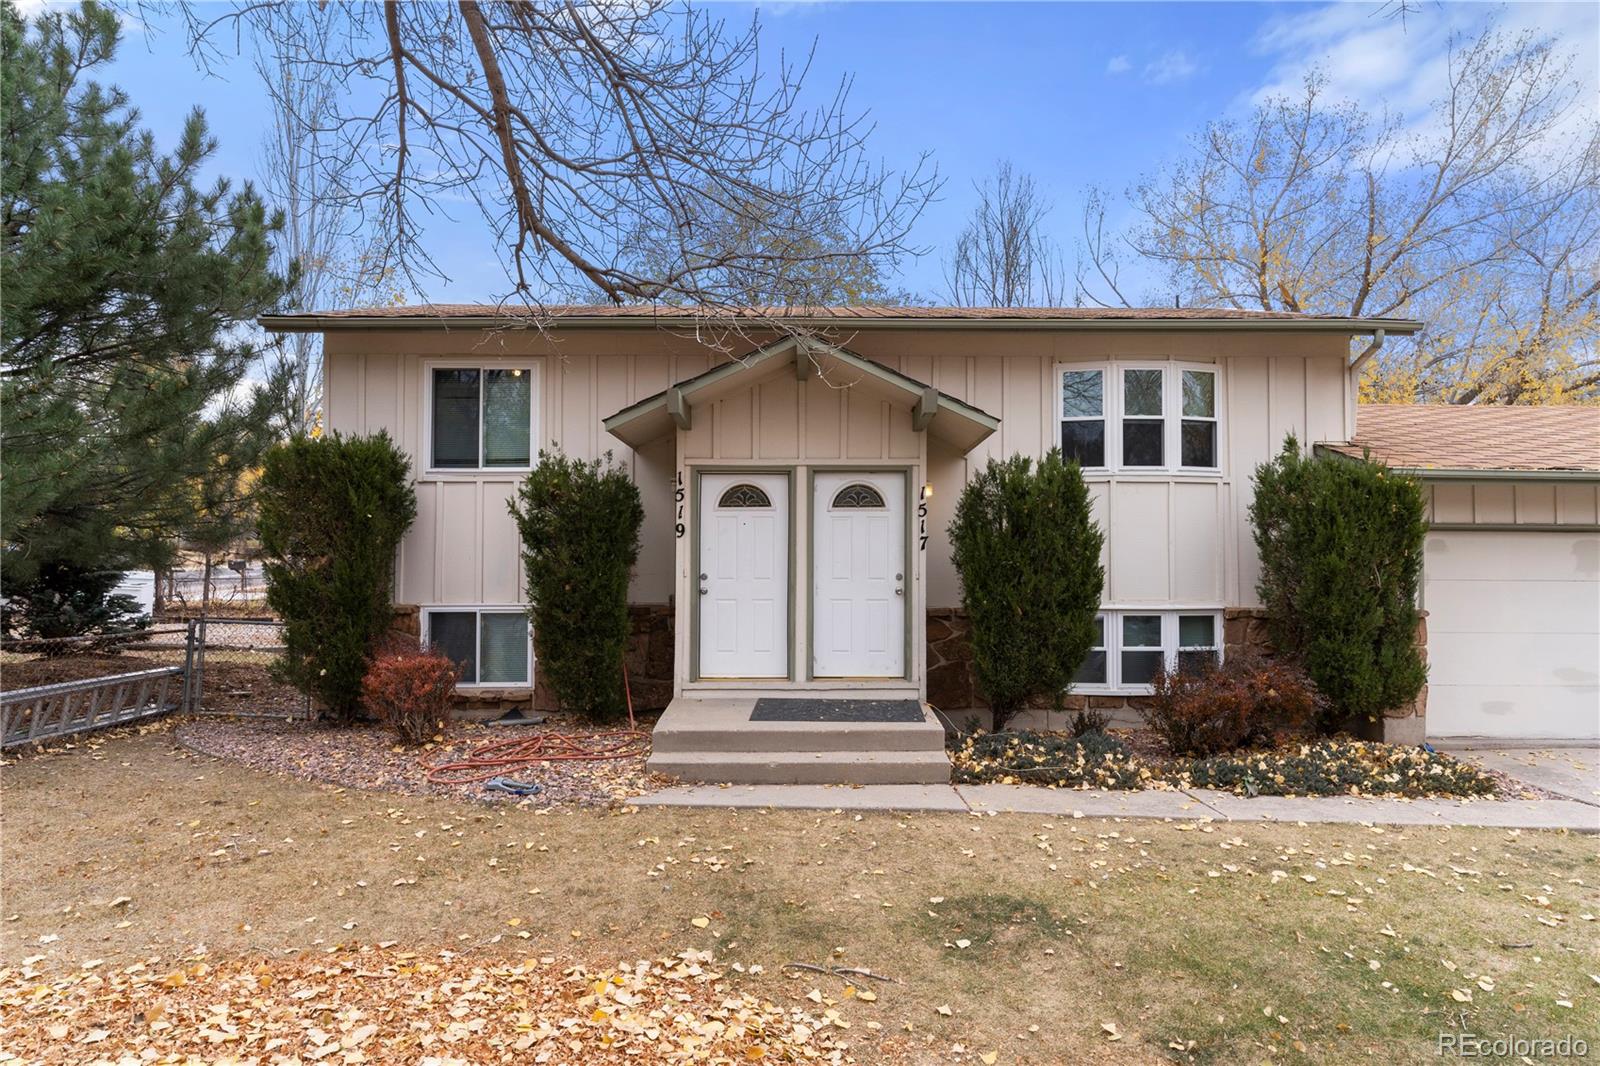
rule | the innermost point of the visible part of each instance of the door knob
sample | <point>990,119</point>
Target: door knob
<point>703,591</point>
<point>899,592</point>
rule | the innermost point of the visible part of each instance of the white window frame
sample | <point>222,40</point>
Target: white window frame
<point>1111,623</point>
<point>1172,418</point>
<point>1107,421</point>
<point>535,368</point>
<point>1165,419</point>
<point>1178,418</point>
<point>478,610</point>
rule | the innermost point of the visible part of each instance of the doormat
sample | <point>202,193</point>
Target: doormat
<point>792,710</point>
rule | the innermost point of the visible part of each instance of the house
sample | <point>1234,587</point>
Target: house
<point>1511,567</point>
<point>798,479</point>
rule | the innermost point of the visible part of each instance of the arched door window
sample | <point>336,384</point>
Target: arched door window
<point>858,497</point>
<point>745,495</point>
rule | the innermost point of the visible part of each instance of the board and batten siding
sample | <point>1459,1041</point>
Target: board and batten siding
<point>1512,504</point>
<point>1172,539</point>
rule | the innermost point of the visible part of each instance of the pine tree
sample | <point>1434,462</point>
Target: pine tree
<point>126,279</point>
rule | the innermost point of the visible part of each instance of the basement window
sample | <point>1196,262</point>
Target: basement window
<point>490,646</point>
<point>1132,646</point>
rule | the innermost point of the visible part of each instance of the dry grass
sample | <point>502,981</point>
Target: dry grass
<point>1033,932</point>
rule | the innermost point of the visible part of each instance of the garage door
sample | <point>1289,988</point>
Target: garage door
<point>1513,634</point>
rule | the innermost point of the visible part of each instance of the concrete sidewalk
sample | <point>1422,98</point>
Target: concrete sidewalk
<point>1572,772</point>
<point>1192,805</point>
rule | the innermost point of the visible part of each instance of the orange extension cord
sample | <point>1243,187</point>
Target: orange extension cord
<point>492,759</point>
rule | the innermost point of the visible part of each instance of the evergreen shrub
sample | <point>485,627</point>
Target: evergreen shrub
<point>1028,551</point>
<point>332,512</point>
<point>1341,542</point>
<point>579,522</point>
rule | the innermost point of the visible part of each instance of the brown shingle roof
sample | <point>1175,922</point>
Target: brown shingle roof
<point>872,311</point>
<point>444,314</point>
<point>1444,437</point>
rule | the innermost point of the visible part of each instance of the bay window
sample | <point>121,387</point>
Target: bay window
<point>490,646</point>
<point>481,417</point>
<point>1159,417</point>
<point>1132,646</point>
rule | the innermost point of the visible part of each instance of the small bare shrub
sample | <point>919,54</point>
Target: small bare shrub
<point>1223,707</point>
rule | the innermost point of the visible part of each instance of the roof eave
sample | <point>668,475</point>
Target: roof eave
<point>1345,326</point>
<point>1468,473</point>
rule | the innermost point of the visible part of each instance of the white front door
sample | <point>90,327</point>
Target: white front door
<point>860,580</point>
<point>743,581</point>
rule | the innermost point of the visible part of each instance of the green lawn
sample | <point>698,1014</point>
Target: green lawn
<point>1042,937</point>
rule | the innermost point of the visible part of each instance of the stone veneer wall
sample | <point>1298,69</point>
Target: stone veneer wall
<point>952,683</point>
<point>648,656</point>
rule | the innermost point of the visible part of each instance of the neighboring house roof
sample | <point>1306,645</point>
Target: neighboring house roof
<point>1445,438</point>
<point>649,315</point>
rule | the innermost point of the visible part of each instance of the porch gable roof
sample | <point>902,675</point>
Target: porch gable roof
<point>951,420</point>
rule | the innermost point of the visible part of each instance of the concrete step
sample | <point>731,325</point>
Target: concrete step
<point>682,735</point>
<point>805,767</point>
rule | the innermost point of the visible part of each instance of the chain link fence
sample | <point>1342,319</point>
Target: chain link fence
<point>233,670</point>
<point>205,666</point>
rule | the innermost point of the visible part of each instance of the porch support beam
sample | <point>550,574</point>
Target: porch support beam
<point>927,406</point>
<point>678,408</point>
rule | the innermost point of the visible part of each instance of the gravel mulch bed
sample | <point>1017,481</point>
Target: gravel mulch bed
<point>1125,759</point>
<point>367,757</point>
<point>1146,745</point>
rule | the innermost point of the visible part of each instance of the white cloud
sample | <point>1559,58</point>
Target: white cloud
<point>1400,67</point>
<point>1172,65</point>
<point>1119,65</point>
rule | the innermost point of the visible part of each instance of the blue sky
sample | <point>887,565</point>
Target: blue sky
<point>1073,93</point>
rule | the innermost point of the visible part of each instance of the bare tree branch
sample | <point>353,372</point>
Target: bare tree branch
<point>1004,258</point>
<point>1482,220</point>
<point>605,145</point>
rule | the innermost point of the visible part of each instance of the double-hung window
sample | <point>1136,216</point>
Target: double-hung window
<point>1131,646</point>
<point>1198,428</point>
<point>481,417</point>
<point>490,646</point>
<point>1083,417</point>
<point>1144,427</point>
<point>1160,417</point>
